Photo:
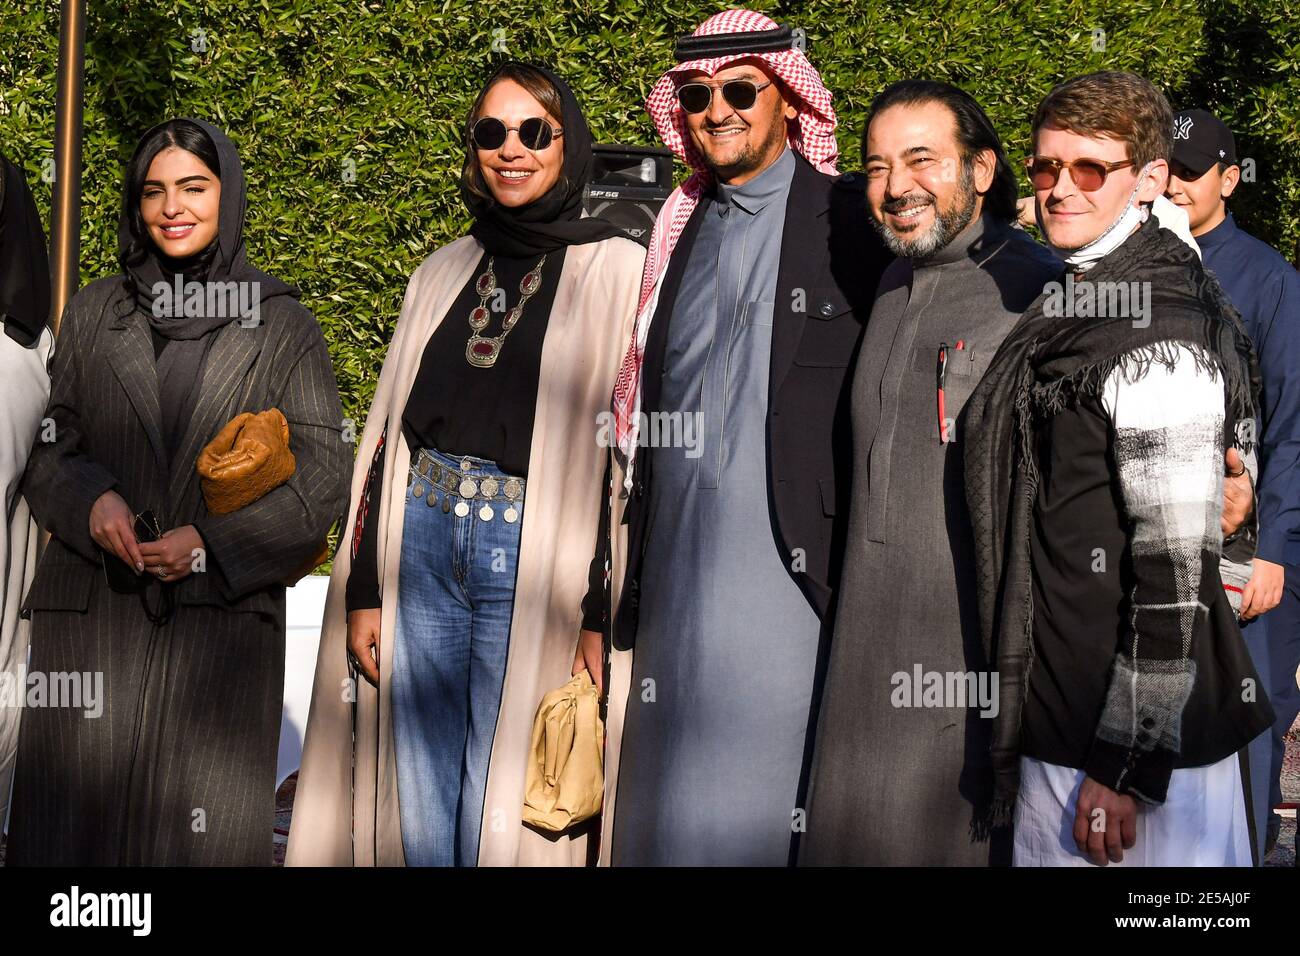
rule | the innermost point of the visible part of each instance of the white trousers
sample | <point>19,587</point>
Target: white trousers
<point>1201,823</point>
<point>24,392</point>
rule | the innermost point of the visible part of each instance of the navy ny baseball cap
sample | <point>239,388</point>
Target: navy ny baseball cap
<point>1201,139</point>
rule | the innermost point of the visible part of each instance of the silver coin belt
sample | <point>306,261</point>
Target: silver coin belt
<point>455,490</point>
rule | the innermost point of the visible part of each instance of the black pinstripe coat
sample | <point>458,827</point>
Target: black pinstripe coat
<point>179,768</point>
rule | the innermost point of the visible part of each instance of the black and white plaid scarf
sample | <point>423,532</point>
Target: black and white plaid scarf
<point>1043,366</point>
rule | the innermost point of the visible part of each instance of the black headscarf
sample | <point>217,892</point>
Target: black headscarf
<point>24,265</point>
<point>181,362</point>
<point>554,220</point>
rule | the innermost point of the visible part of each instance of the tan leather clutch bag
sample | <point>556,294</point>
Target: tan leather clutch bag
<point>249,457</point>
<point>566,765</point>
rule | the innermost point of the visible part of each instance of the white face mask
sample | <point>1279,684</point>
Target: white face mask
<point>1084,258</point>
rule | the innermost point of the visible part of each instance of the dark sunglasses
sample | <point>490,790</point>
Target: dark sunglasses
<point>739,94</point>
<point>1088,174</point>
<point>535,133</point>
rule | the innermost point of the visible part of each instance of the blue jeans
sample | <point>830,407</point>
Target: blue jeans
<point>456,592</point>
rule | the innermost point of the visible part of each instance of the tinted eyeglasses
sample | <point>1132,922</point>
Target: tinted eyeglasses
<point>535,133</point>
<point>1088,174</point>
<point>739,94</point>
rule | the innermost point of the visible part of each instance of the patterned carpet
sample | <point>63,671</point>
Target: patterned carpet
<point>283,811</point>
<point>1284,853</point>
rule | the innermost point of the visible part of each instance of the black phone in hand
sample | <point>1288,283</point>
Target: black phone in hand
<point>121,577</point>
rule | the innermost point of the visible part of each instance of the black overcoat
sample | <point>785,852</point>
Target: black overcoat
<point>179,768</point>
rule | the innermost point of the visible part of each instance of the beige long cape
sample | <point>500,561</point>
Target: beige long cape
<point>620,667</point>
<point>346,810</point>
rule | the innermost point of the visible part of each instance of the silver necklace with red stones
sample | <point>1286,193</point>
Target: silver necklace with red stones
<point>481,351</point>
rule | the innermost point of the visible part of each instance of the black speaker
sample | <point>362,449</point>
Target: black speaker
<point>629,186</point>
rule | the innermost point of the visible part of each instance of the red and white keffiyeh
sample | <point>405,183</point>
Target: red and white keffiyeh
<point>813,137</point>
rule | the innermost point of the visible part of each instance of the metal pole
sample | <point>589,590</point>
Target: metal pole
<point>65,215</point>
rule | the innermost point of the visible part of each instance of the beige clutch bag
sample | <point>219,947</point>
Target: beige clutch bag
<point>566,765</point>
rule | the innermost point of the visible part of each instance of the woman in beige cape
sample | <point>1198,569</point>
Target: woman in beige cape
<point>346,810</point>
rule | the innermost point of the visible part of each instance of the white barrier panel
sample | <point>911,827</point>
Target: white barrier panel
<point>304,612</point>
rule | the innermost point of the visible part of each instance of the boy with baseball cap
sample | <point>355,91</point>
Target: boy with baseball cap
<point>1265,289</point>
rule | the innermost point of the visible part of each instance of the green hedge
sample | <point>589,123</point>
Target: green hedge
<point>311,89</point>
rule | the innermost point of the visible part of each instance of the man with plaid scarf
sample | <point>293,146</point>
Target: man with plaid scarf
<point>1094,478</point>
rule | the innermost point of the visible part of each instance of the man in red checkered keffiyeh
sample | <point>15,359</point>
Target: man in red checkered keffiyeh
<point>718,43</point>
<point>761,271</point>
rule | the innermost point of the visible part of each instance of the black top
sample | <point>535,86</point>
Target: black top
<point>461,409</point>
<point>1081,579</point>
<point>1082,576</point>
<point>485,412</point>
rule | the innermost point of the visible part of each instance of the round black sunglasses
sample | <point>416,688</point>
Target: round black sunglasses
<point>535,133</point>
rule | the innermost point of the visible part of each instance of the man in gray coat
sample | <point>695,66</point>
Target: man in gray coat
<point>901,773</point>
<point>900,769</point>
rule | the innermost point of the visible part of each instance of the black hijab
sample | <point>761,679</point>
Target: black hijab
<point>554,220</point>
<point>181,363</point>
<point>24,265</point>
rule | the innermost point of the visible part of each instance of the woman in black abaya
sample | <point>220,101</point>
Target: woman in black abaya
<point>166,752</point>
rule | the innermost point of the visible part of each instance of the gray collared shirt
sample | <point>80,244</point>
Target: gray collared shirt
<point>711,760</point>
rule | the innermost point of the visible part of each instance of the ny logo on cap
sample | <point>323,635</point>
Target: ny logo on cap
<point>1182,127</point>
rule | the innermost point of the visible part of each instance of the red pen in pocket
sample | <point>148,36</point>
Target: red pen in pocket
<point>941,375</point>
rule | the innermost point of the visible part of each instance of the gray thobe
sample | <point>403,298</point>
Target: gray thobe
<point>726,642</point>
<point>902,785</point>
